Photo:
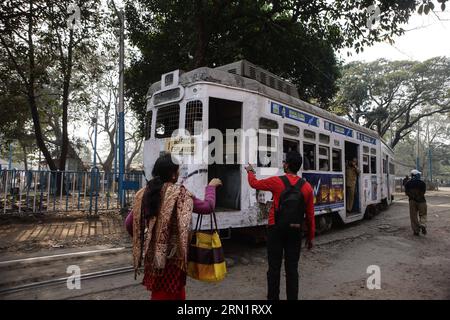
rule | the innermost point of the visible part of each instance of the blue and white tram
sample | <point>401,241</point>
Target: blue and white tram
<point>243,96</point>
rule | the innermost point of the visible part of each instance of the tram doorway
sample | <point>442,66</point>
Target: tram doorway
<point>352,191</point>
<point>223,115</point>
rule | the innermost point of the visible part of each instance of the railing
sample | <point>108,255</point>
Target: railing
<point>34,191</point>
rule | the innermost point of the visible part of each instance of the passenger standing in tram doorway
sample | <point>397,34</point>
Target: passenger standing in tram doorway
<point>415,190</point>
<point>293,201</point>
<point>160,223</point>
<point>351,176</point>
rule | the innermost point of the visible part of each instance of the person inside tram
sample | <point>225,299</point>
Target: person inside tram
<point>324,166</point>
<point>154,214</point>
<point>351,175</point>
<point>309,163</point>
<point>306,163</point>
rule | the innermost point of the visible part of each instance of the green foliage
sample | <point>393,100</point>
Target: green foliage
<point>392,96</point>
<point>293,39</point>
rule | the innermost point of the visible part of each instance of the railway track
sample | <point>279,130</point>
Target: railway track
<point>40,284</point>
<point>40,272</point>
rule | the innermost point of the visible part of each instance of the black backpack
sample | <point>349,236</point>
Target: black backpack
<point>291,207</point>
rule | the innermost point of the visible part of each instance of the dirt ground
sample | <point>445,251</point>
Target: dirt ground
<point>411,267</point>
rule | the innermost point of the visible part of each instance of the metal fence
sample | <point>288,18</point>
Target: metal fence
<point>34,191</point>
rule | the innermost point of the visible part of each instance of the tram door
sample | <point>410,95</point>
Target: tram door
<point>223,115</point>
<point>351,151</point>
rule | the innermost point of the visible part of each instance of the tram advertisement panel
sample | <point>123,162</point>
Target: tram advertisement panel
<point>328,190</point>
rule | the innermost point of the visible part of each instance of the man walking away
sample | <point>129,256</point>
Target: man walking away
<point>293,200</point>
<point>415,190</point>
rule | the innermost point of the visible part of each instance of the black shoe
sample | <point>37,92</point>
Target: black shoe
<point>416,233</point>
<point>424,230</point>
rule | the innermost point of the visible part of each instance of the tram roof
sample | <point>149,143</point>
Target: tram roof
<point>205,74</point>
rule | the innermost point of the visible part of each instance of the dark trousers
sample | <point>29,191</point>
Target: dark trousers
<point>288,243</point>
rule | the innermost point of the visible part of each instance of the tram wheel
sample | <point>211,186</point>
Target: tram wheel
<point>323,223</point>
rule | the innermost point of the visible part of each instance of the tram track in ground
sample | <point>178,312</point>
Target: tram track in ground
<point>52,282</point>
<point>43,271</point>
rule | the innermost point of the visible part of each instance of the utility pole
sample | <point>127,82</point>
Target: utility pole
<point>10,156</point>
<point>94,171</point>
<point>116,143</point>
<point>95,120</point>
<point>121,109</point>
<point>429,151</point>
<point>121,113</point>
<point>418,142</point>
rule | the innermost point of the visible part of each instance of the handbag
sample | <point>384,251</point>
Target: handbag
<point>206,261</point>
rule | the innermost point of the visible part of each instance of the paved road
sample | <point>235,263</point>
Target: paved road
<point>411,267</point>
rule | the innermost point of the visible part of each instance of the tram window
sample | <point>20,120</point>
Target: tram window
<point>289,145</point>
<point>309,156</point>
<point>263,78</point>
<point>148,124</point>
<point>268,124</point>
<point>323,138</point>
<point>268,145</point>
<point>373,164</point>
<point>373,151</point>
<point>291,130</point>
<point>167,120</point>
<point>324,158</point>
<point>309,134</point>
<point>337,143</point>
<point>272,82</point>
<point>365,149</point>
<point>391,168</point>
<point>384,165</point>
<point>365,163</point>
<point>194,110</point>
<point>337,160</point>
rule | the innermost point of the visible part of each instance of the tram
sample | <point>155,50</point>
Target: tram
<point>241,97</point>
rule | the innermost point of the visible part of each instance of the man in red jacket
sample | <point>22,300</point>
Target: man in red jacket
<point>280,241</point>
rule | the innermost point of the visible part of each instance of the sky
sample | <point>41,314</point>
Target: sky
<point>427,36</point>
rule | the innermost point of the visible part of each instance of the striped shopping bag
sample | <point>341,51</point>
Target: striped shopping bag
<point>206,260</point>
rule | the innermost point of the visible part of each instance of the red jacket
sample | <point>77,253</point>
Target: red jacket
<point>276,186</point>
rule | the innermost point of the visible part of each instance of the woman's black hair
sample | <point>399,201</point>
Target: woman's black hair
<point>162,172</point>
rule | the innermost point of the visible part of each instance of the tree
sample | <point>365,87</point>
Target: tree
<point>392,97</point>
<point>294,39</point>
<point>39,42</point>
<point>433,146</point>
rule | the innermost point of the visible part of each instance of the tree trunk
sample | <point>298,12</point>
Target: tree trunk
<point>32,97</point>
<point>133,154</point>
<point>202,38</point>
<point>65,105</point>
